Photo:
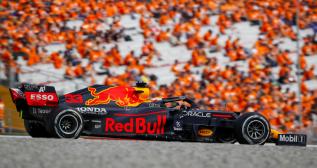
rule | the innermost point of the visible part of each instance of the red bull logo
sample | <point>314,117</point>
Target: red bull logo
<point>137,125</point>
<point>121,95</point>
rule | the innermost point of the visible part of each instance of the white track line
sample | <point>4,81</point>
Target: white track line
<point>312,146</point>
<point>15,136</point>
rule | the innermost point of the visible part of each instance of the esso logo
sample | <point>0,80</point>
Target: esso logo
<point>42,97</point>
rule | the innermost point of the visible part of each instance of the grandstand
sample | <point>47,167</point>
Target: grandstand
<point>247,61</point>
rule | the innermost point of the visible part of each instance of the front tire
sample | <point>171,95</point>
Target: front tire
<point>66,123</point>
<point>252,128</point>
<point>36,129</point>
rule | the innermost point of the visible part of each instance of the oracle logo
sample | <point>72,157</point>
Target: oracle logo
<point>197,114</point>
<point>41,97</point>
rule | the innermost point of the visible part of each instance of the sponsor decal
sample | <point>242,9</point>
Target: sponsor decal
<point>137,125</point>
<point>42,89</point>
<point>36,96</point>
<point>196,114</point>
<point>177,126</point>
<point>30,87</point>
<point>154,105</point>
<point>97,123</point>
<point>41,111</point>
<point>92,110</point>
<point>122,96</point>
<point>292,139</point>
<point>74,98</point>
<point>204,132</point>
<point>41,99</point>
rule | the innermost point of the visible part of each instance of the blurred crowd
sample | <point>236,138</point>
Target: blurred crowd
<point>1,116</point>
<point>28,26</point>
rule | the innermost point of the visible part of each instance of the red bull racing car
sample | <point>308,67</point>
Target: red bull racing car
<point>123,111</point>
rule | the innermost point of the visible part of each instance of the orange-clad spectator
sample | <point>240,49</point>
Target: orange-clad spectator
<point>208,35</point>
<point>205,20</point>
<point>146,49</point>
<point>241,53</point>
<point>57,60</point>
<point>122,8</point>
<point>283,58</point>
<point>130,58</point>
<point>228,44</point>
<point>302,62</point>
<point>79,71</point>
<point>214,41</point>
<point>309,74</point>
<point>163,36</point>
<point>111,10</point>
<point>117,59</point>
<point>191,43</point>
<point>284,74</point>
<point>143,22</point>
<point>223,23</point>
<point>174,68</point>
<point>69,71</point>
<point>1,116</point>
<point>195,55</point>
<point>187,67</point>
<point>147,33</point>
<point>232,55</point>
<point>94,55</point>
<point>309,48</point>
<point>304,88</point>
<point>236,16</point>
<point>177,31</point>
<point>164,20</point>
<point>33,57</point>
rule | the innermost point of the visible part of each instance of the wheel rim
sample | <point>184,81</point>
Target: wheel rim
<point>256,129</point>
<point>68,124</point>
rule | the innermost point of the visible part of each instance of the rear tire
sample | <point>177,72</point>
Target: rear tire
<point>66,123</point>
<point>252,128</point>
<point>36,129</point>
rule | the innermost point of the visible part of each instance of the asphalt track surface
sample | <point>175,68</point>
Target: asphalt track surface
<point>23,152</point>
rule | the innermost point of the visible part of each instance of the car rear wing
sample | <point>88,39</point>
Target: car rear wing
<point>34,95</point>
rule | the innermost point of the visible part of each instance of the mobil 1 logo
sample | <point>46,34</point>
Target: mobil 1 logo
<point>292,139</point>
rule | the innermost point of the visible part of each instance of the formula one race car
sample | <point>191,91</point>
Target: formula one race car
<point>120,111</point>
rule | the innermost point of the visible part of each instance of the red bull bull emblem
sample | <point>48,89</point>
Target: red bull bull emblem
<point>121,95</point>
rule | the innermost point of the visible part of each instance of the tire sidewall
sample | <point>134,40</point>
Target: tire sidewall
<point>55,127</point>
<point>243,124</point>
